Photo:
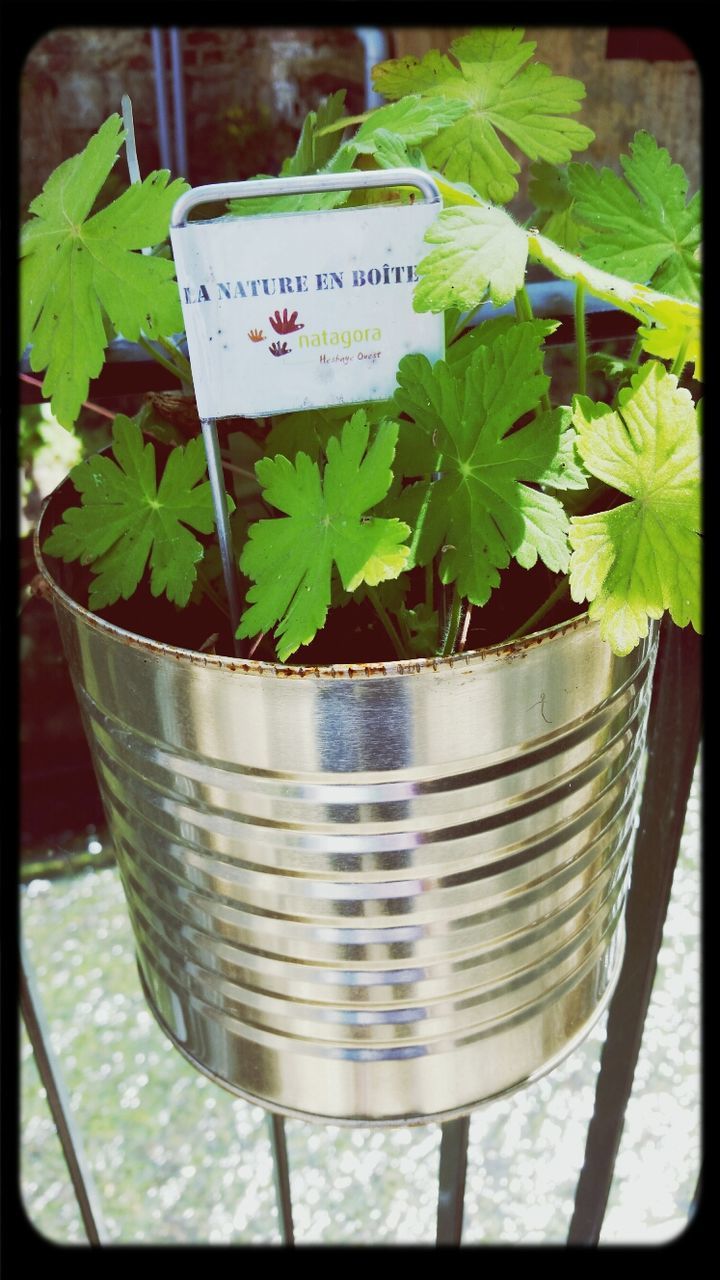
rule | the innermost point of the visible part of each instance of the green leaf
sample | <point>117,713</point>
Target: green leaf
<point>210,580</point>
<point>548,187</point>
<point>290,559</point>
<point>554,206</point>
<point>671,325</point>
<point>564,469</point>
<point>390,135</point>
<point>639,559</point>
<point>412,120</point>
<point>76,270</point>
<point>127,520</point>
<point>423,627</point>
<point>417,453</point>
<point>314,150</point>
<point>674,331</point>
<point>244,453</point>
<point>482,510</point>
<point>677,319</point>
<point>611,366</point>
<point>529,105</point>
<point>314,154</point>
<point>485,333</point>
<point>640,227</point>
<point>482,253</point>
<point>310,429</point>
<point>392,152</point>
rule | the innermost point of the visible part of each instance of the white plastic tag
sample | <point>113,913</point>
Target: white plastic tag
<point>305,310</point>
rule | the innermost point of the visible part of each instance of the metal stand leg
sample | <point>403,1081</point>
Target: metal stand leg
<point>82,1180</point>
<point>451,1190</point>
<point>673,742</point>
<point>281,1174</point>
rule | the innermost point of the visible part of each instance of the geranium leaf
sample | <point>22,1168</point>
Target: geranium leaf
<point>485,333</point>
<point>529,105</point>
<point>309,430</point>
<point>481,252</point>
<point>127,521</point>
<point>554,206</point>
<point>314,153</point>
<point>390,135</point>
<point>423,627</point>
<point>482,510</point>
<point>677,319</point>
<point>290,559</point>
<point>548,187</point>
<point>640,227</point>
<point>314,150</point>
<point>637,560</point>
<point>412,120</point>
<point>674,330</point>
<point>77,269</point>
<point>392,152</point>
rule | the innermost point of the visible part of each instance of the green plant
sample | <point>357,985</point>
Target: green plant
<point>426,511</point>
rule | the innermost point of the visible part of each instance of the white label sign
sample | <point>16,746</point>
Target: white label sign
<point>301,311</point>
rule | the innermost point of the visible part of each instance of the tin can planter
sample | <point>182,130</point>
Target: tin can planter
<point>369,894</point>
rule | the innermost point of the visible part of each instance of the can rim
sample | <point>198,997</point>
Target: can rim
<point>506,649</point>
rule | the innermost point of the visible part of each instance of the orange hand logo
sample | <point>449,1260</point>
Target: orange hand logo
<point>281,323</point>
<point>256,335</point>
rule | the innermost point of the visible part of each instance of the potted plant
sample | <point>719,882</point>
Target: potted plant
<point>376,844</point>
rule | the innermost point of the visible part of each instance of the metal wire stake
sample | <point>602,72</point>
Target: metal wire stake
<point>59,1103</point>
<point>217,486</point>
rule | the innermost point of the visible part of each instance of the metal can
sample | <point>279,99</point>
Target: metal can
<point>369,894</point>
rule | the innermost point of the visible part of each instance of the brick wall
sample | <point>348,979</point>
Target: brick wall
<point>247,91</point>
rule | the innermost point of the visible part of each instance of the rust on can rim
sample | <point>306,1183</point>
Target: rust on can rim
<point>507,649</point>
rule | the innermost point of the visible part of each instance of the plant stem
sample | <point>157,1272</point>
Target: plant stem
<point>430,584</point>
<point>678,363</point>
<point>453,624</point>
<point>239,471</point>
<point>524,311</point>
<point>337,125</point>
<point>632,362</point>
<point>419,524</point>
<point>548,604</point>
<point>464,320</point>
<point>161,359</point>
<point>405,636</point>
<point>634,355</point>
<point>178,360</point>
<point>580,337</point>
<point>212,595</point>
<point>256,644</point>
<point>523,305</point>
<point>386,620</point>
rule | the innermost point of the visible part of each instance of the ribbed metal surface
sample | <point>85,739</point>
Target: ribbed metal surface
<point>370,894</point>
